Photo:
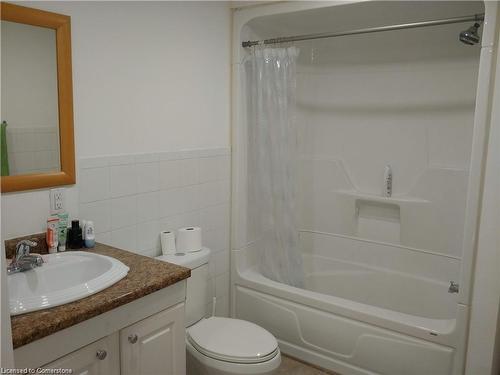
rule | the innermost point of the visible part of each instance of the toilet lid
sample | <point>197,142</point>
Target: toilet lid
<point>232,340</point>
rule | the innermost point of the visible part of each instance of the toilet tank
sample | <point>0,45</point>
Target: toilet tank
<point>197,284</point>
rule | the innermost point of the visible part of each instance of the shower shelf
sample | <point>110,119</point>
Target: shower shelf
<point>381,199</point>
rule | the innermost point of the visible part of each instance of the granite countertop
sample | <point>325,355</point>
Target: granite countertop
<point>145,276</point>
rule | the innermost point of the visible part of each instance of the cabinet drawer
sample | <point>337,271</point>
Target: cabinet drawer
<point>98,358</point>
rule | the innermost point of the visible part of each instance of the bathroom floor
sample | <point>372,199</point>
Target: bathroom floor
<point>291,366</point>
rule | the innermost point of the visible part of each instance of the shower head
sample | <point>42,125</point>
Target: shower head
<point>470,36</point>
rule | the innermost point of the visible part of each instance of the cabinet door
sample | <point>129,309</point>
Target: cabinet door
<point>99,358</point>
<point>155,345</point>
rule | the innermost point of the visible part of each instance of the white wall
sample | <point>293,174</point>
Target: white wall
<point>131,198</point>
<point>146,77</point>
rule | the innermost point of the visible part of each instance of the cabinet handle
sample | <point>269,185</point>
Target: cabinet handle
<point>101,354</point>
<point>132,338</point>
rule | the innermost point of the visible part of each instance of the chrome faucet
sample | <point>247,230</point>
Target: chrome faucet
<point>454,287</point>
<point>24,261</point>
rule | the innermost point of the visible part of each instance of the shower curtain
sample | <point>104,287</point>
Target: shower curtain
<point>272,162</point>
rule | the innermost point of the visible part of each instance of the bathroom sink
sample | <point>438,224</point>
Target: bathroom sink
<point>63,278</point>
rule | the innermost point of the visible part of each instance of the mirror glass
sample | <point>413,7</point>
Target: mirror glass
<point>30,120</point>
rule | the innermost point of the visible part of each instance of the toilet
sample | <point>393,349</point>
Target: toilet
<point>215,345</point>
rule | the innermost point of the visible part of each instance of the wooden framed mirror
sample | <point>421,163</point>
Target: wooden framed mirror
<point>37,139</point>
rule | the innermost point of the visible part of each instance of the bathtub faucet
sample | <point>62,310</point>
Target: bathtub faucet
<point>453,287</point>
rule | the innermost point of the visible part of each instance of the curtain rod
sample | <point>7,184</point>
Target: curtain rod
<point>444,21</point>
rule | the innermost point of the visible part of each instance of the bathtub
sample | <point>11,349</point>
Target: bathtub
<point>353,318</point>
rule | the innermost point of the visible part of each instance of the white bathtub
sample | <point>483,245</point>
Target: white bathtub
<point>356,319</point>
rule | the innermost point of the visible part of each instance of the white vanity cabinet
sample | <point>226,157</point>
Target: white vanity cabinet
<point>143,337</point>
<point>152,346</point>
<point>156,345</point>
<point>99,358</point>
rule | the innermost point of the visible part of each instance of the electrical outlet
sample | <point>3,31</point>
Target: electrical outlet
<point>56,201</point>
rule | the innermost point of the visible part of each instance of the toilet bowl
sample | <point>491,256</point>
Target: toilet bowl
<point>221,346</point>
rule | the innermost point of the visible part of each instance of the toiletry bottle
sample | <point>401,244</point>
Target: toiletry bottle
<point>89,234</point>
<point>75,240</point>
<point>63,230</point>
<point>52,233</point>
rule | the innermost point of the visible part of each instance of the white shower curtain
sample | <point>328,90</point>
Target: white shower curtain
<point>272,162</point>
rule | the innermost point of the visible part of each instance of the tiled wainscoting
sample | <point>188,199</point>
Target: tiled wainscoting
<point>131,198</point>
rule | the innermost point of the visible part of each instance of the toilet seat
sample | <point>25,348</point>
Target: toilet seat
<point>232,340</point>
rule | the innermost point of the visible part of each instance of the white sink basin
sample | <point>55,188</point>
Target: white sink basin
<point>63,278</point>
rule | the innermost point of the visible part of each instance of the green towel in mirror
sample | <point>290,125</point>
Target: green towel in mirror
<point>4,158</point>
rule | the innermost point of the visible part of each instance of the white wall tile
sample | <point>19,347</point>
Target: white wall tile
<point>94,184</point>
<point>217,240</point>
<point>204,153</point>
<point>99,212</point>
<point>104,238</point>
<point>147,158</point>
<point>214,217</point>
<point>221,262</point>
<point>210,289</point>
<point>123,180</point>
<point>172,202</point>
<point>123,211</point>
<point>172,223</point>
<point>95,162</point>
<point>222,306</point>
<point>190,219</point>
<point>148,206</point>
<point>124,159</point>
<point>211,266</point>
<point>208,169</point>
<point>167,195</point>
<point>222,285</point>
<point>148,235</point>
<point>209,192</point>
<point>214,168</point>
<point>148,177</point>
<point>125,238</point>
<point>170,174</point>
<point>189,172</point>
<point>151,253</point>
<point>192,198</point>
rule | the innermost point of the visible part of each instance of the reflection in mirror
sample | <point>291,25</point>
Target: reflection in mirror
<point>30,120</point>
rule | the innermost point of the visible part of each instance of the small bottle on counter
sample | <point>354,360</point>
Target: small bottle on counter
<point>52,233</point>
<point>89,234</point>
<point>63,230</point>
<point>75,240</point>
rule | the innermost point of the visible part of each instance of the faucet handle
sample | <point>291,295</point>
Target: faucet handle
<point>23,247</point>
<point>30,243</point>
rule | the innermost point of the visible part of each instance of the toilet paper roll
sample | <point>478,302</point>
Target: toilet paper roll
<point>167,242</point>
<point>188,239</point>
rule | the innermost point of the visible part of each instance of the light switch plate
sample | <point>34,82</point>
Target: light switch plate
<point>57,202</point>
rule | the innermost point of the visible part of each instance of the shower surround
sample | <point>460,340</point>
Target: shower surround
<point>377,271</point>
